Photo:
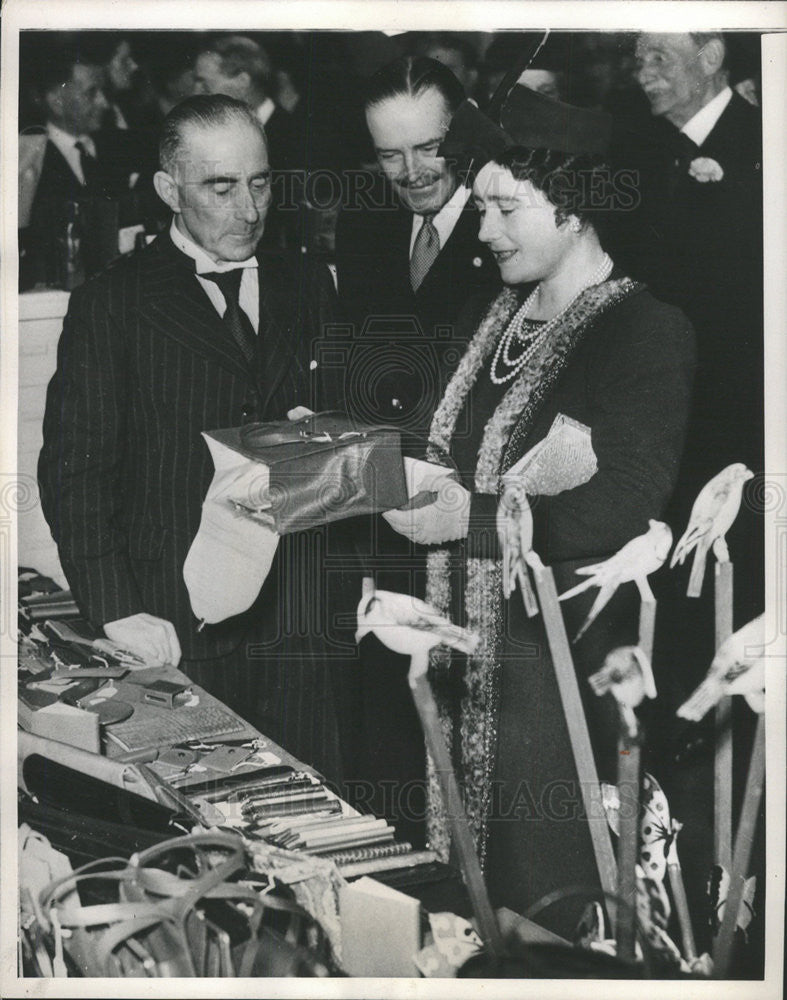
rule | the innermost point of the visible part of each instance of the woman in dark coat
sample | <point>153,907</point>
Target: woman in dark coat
<point>568,336</point>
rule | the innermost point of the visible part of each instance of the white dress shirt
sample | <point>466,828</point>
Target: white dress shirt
<point>702,124</point>
<point>445,220</point>
<point>265,110</point>
<point>249,297</point>
<point>66,144</point>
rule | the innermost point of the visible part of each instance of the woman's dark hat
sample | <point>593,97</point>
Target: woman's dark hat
<point>472,138</point>
<point>526,119</point>
<point>539,122</point>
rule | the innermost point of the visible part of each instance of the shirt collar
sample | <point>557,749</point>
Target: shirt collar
<point>445,220</point>
<point>202,261</point>
<point>702,124</point>
<point>265,110</point>
<point>66,142</point>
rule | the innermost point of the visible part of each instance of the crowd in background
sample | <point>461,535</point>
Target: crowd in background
<point>147,72</point>
<point>305,86</point>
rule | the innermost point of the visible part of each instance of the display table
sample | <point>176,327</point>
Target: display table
<point>166,759</point>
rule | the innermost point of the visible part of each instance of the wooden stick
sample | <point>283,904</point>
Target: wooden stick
<point>460,829</point>
<point>578,733</point>
<point>722,761</point>
<point>682,909</point>
<point>744,838</point>
<point>628,843</point>
<point>647,625</point>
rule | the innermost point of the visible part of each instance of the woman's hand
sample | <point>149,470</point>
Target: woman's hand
<point>443,518</point>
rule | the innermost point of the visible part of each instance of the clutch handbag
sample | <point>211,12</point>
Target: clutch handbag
<point>322,468</point>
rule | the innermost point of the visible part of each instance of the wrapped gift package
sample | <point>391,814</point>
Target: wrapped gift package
<point>321,468</point>
<point>275,478</point>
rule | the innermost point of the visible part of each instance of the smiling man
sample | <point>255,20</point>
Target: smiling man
<point>681,74</point>
<point>699,230</point>
<point>408,257</point>
<point>407,242</point>
<point>193,333</point>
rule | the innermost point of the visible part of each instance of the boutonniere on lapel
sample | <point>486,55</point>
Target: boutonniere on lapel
<point>705,170</point>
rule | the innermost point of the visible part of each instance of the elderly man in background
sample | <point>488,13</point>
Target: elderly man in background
<point>238,67</point>
<point>707,198</point>
<point>696,238</point>
<point>699,245</point>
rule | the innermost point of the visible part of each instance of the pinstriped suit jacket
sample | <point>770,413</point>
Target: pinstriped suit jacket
<point>144,366</point>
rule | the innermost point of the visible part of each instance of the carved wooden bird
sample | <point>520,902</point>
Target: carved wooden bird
<point>515,533</point>
<point>634,561</point>
<point>737,668</point>
<point>714,510</point>
<point>628,675</point>
<point>409,626</point>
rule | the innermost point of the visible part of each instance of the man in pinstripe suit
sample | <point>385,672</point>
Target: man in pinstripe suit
<point>148,359</point>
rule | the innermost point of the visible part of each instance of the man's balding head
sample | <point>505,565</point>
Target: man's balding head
<point>202,111</point>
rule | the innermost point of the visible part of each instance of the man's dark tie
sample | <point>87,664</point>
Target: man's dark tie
<point>235,319</point>
<point>425,251</point>
<point>89,167</point>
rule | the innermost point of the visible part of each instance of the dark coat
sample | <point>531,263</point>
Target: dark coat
<point>107,204</point>
<point>629,381</point>
<point>404,343</point>
<point>144,366</point>
<point>699,246</point>
<point>59,182</point>
<point>399,350</point>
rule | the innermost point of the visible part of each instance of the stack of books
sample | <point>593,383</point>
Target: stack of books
<point>295,810</point>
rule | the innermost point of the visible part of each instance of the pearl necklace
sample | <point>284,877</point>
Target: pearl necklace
<point>531,341</point>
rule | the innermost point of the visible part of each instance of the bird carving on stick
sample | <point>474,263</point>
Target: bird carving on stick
<point>408,626</point>
<point>628,676</point>
<point>737,668</point>
<point>714,510</point>
<point>636,560</point>
<point>515,533</point>
<point>412,627</point>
